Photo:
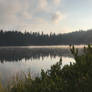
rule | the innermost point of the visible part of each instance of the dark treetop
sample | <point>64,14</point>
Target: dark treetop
<point>15,38</point>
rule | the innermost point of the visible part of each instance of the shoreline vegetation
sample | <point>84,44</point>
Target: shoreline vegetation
<point>76,77</point>
<point>16,38</point>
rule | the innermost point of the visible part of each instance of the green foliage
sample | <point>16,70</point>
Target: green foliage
<point>75,77</point>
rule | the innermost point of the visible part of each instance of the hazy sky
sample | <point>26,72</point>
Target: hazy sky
<point>58,16</point>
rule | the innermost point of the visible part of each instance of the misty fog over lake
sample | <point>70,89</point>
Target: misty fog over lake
<point>23,59</point>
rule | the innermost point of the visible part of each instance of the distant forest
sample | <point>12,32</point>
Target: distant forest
<point>16,38</point>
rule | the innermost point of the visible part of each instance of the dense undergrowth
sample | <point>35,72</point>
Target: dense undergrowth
<point>76,77</point>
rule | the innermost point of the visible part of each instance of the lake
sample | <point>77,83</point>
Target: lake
<point>24,59</point>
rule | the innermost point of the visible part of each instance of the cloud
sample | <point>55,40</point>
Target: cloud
<point>57,17</point>
<point>26,15</point>
<point>21,12</point>
<point>8,11</point>
<point>42,4</point>
<point>56,2</point>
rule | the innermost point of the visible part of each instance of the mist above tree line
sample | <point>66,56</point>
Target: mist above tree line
<point>15,38</point>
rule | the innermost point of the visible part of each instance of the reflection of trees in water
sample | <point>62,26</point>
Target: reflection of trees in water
<point>17,54</point>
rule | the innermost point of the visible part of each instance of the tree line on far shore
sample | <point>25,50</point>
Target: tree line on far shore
<point>16,38</point>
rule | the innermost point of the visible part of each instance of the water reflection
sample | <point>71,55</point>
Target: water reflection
<point>17,60</point>
<point>9,69</point>
<point>17,54</point>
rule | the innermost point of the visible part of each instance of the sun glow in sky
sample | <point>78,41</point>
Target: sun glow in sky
<point>59,16</point>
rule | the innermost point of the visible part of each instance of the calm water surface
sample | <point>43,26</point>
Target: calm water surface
<point>15,60</point>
